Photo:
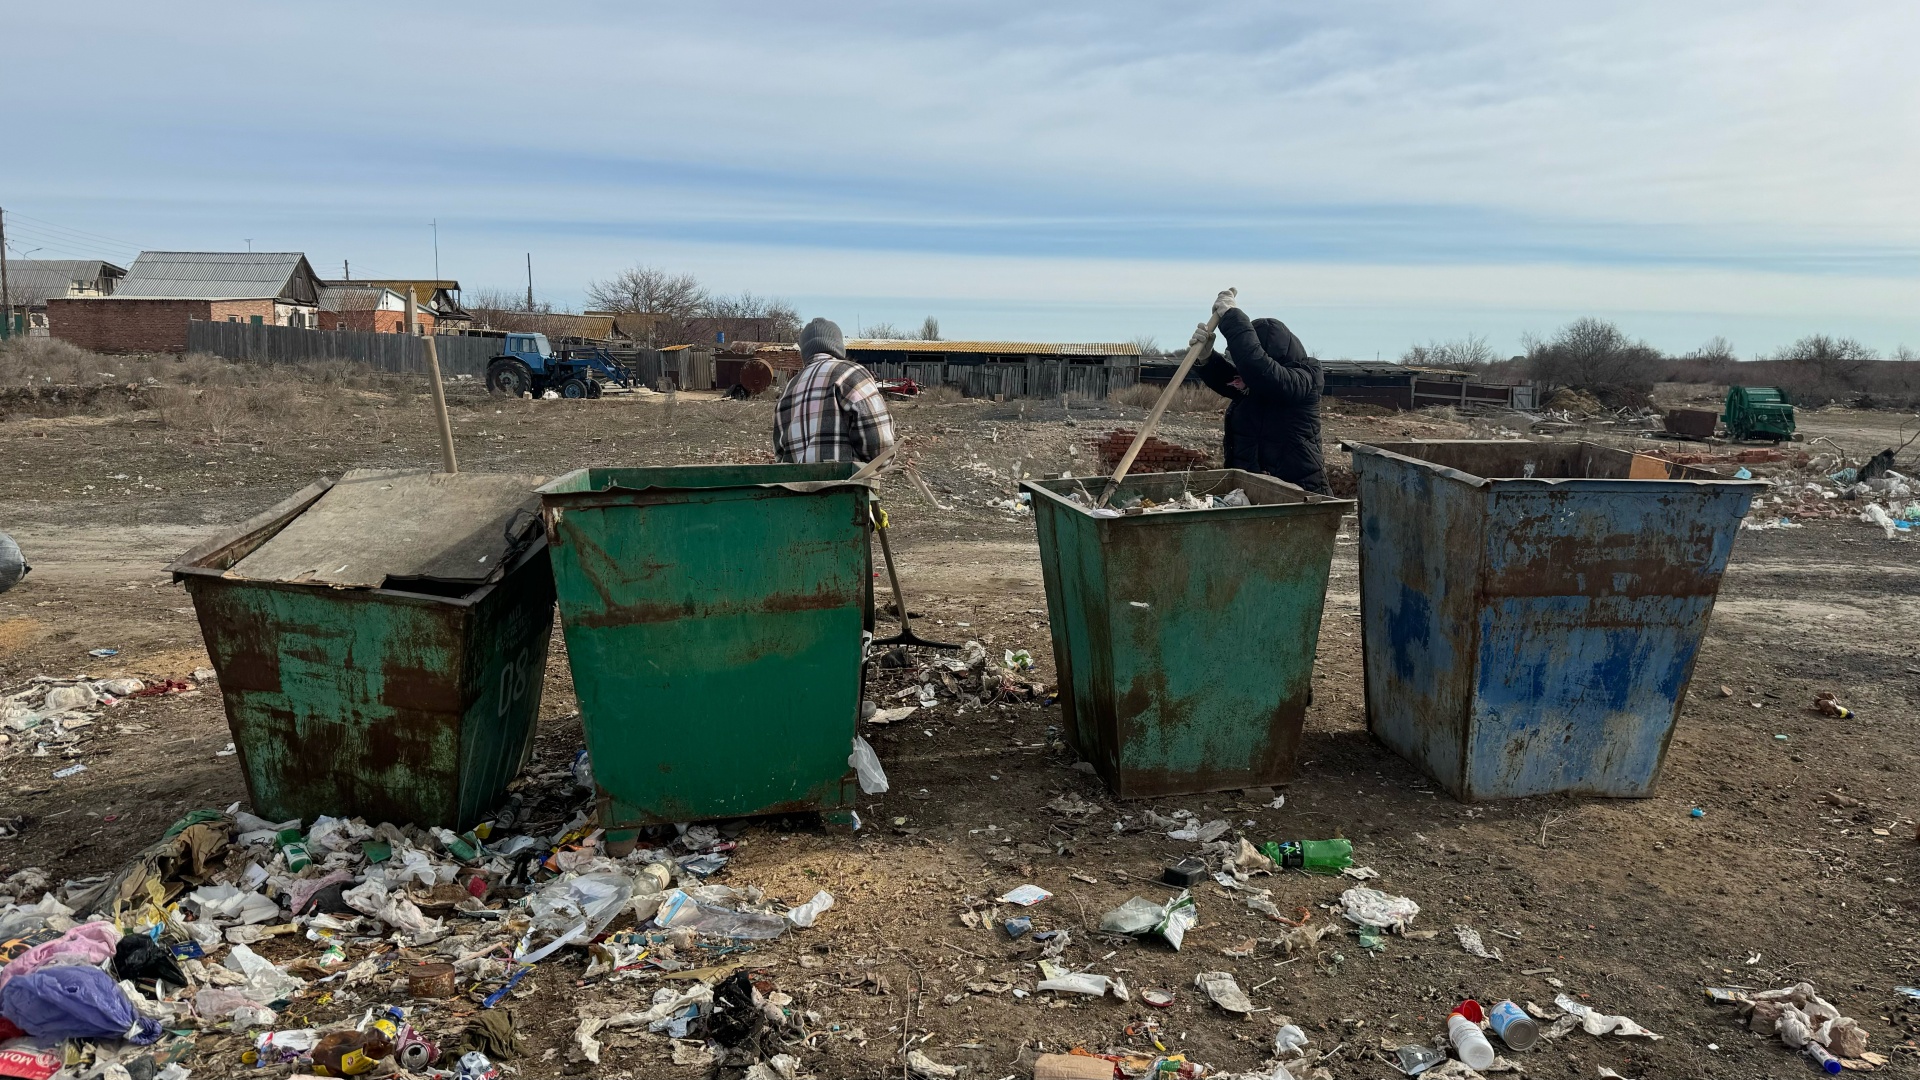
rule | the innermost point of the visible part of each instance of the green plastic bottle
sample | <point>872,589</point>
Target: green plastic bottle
<point>1313,856</point>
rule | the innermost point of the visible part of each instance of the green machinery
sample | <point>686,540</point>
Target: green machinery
<point>1758,412</point>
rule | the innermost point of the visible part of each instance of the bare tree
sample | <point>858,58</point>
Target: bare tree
<point>930,329</point>
<point>1593,354</point>
<point>506,309</point>
<point>1470,353</point>
<point>1715,349</point>
<point>649,290</point>
<point>1822,368</point>
<point>1146,343</point>
<point>882,331</point>
<point>764,318</point>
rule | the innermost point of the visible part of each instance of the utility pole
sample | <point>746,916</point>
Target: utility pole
<point>346,272</point>
<point>6,294</point>
<point>249,245</point>
<point>436,253</point>
<point>529,281</point>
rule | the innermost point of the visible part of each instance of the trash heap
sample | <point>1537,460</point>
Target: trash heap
<point>1804,1022</point>
<point>970,680</point>
<point>1828,487</point>
<point>1135,505</point>
<point>418,940</point>
<point>51,717</point>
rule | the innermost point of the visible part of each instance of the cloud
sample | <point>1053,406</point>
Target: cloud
<point>1428,153</point>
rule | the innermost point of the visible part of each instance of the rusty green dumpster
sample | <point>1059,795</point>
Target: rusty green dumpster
<point>380,642</point>
<point>1530,612</point>
<point>713,619</point>
<point>1184,640</point>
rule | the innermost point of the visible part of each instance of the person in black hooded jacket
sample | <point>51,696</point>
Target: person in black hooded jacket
<point>1273,386</point>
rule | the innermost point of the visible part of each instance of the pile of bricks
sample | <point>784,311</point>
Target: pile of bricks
<point>1157,455</point>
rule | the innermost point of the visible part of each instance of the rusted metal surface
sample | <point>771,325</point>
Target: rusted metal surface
<point>713,622</point>
<point>1184,641</point>
<point>1531,611</point>
<point>1692,423</point>
<point>373,702</point>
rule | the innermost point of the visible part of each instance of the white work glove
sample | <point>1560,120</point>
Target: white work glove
<point>1202,336</point>
<point>1225,300</point>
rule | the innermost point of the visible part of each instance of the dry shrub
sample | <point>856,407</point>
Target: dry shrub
<point>1190,398</point>
<point>213,398</point>
<point>939,395</point>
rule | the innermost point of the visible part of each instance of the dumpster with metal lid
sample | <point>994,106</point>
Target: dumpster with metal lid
<point>713,618</point>
<point>1531,611</point>
<point>1184,640</point>
<point>381,643</point>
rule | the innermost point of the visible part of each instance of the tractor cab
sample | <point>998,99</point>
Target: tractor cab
<point>532,348</point>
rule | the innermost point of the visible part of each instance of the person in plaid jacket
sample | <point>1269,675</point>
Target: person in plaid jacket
<point>832,410</point>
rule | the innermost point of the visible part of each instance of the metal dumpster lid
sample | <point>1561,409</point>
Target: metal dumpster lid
<point>376,524</point>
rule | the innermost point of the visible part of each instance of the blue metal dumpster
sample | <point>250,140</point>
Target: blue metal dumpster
<point>1531,611</point>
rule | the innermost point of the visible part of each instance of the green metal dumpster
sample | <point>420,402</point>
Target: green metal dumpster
<point>713,619</point>
<point>1184,640</point>
<point>381,643</point>
<point>1530,612</point>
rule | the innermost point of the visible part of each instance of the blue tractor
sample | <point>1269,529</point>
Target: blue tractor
<point>529,365</point>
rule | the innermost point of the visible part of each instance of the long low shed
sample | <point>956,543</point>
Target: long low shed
<point>1004,369</point>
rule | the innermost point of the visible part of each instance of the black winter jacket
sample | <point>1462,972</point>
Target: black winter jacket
<point>1273,423</point>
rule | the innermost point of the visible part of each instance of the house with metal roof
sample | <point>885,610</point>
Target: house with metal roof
<point>375,309</point>
<point>32,282</point>
<point>1003,369</point>
<point>163,290</point>
<point>439,297</point>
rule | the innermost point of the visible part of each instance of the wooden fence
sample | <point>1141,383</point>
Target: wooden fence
<point>1032,379</point>
<point>398,353</point>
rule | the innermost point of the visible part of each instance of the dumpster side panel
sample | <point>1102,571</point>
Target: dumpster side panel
<point>1213,617</point>
<point>505,674</point>
<point>1420,542</point>
<point>340,702</point>
<point>1598,596</point>
<point>1072,568</point>
<point>714,638</point>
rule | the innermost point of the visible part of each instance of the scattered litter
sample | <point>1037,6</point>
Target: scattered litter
<point>1470,941</point>
<point>808,913</point>
<point>1828,705</point>
<point>1222,990</point>
<point>1026,896</point>
<point>102,654</point>
<point>1414,1059</point>
<point>1056,979</point>
<point>1140,916</point>
<point>866,763</point>
<point>1598,1023</point>
<point>924,1066</point>
<point>1371,907</point>
<point>1159,999</point>
<point>1195,833</point>
<point>74,769</point>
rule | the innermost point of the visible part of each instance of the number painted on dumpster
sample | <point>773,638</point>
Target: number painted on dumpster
<point>513,682</point>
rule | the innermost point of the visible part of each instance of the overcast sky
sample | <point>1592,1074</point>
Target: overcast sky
<point>1373,173</point>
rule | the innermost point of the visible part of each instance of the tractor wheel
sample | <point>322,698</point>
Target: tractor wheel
<point>594,388</point>
<point>510,377</point>
<point>739,393</point>
<point>574,388</point>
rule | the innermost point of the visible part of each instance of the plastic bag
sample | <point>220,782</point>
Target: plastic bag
<point>265,982</point>
<point>809,913</point>
<point>569,909</point>
<point>679,909</point>
<point>1139,916</point>
<point>92,942</point>
<point>1371,907</point>
<point>74,1003</point>
<point>139,957</point>
<point>873,778</point>
<point>371,898</point>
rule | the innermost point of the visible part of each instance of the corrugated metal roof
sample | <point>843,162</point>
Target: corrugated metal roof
<point>31,281</point>
<point>209,275</point>
<point>996,348</point>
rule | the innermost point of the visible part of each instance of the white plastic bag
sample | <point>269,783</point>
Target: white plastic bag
<point>809,913</point>
<point>873,778</point>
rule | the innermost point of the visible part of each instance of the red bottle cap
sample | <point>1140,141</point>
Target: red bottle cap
<point>1469,1009</point>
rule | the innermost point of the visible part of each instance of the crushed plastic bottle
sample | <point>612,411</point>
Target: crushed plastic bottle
<point>678,909</point>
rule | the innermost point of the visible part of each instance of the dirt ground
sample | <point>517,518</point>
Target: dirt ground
<point>1632,906</point>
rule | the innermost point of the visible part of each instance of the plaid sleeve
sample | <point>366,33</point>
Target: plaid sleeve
<point>870,422</point>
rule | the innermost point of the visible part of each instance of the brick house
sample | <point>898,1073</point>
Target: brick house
<point>32,282</point>
<point>163,290</point>
<point>373,308</point>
